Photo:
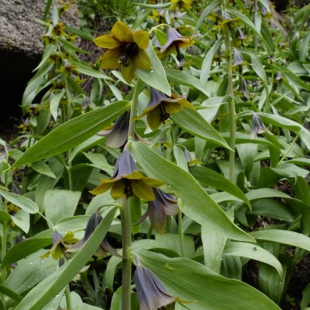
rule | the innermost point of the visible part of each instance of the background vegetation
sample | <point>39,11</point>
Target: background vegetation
<point>225,138</point>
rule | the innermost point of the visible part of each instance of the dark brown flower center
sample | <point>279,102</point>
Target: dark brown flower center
<point>163,115</point>
<point>128,188</point>
<point>130,50</point>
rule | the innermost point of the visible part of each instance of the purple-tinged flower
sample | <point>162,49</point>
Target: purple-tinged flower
<point>60,244</point>
<point>92,224</point>
<point>117,134</point>
<point>258,126</point>
<point>174,43</point>
<point>128,181</point>
<point>161,106</point>
<point>151,293</point>
<point>243,88</point>
<point>163,205</point>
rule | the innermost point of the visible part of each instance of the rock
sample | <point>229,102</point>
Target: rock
<point>21,49</point>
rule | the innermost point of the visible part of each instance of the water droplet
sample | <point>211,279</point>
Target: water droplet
<point>41,261</point>
<point>152,71</point>
<point>30,263</point>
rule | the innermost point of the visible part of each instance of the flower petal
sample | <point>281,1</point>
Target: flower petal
<point>107,41</point>
<point>142,190</point>
<point>151,293</point>
<point>173,107</point>
<point>118,190</point>
<point>122,32</point>
<point>102,188</point>
<point>142,38</point>
<point>124,166</point>
<point>118,136</point>
<point>153,182</point>
<point>129,72</point>
<point>111,57</point>
<point>142,60</point>
<point>153,118</point>
<point>157,216</point>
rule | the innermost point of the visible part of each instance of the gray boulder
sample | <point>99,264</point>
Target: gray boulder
<point>21,49</point>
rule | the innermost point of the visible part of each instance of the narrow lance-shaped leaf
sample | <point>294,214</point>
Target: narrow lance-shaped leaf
<point>192,122</point>
<point>283,236</point>
<point>24,203</point>
<point>72,133</point>
<point>253,252</point>
<point>195,202</point>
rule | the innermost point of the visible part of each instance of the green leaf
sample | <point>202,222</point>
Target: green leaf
<point>59,204</point>
<point>5,217</point>
<point>266,193</point>
<point>25,248</point>
<point>207,10</point>
<point>191,121</point>
<point>284,237</point>
<point>184,78</point>
<point>24,203</point>
<point>172,242</point>
<point>156,77</point>
<point>22,220</point>
<point>72,133</point>
<point>10,293</point>
<point>283,122</point>
<point>36,84</point>
<point>53,284</point>
<point>202,287</point>
<point>89,71</point>
<point>247,22</point>
<point>213,246</point>
<point>54,104</point>
<point>208,177</point>
<point>255,252</point>
<point>30,271</point>
<point>46,54</point>
<point>257,66</point>
<point>41,167</point>
<point>272,208</point>
<point>194,201</point>
<point>207,62</point>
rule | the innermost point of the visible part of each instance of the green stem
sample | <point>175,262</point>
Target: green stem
<point>181,233</point>
<point>126,271</point>
<point>133,109</point>
<point>255,23</point>
<point>232,112</point>
<point>68,298</point>
<point>287,151</point>
<point>3,252</point>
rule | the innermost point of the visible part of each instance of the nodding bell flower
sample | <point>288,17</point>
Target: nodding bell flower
<point>161,106</point>
<point>258,126</point>
<point>175,42</point>
<point>92,224</point>
<point>151,293</point>
<point>60,245</point>
<point>128,181</point>
<point>181,4</point>
<point>158,209</point>
<point>243,88</point>
<point>126,49</point>
<point>117,134</point>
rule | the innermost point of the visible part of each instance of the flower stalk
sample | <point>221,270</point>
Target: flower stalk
<point>127,261</point>
<point>232,112</point>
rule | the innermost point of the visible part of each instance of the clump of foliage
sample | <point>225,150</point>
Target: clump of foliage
<point>174,180</point>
